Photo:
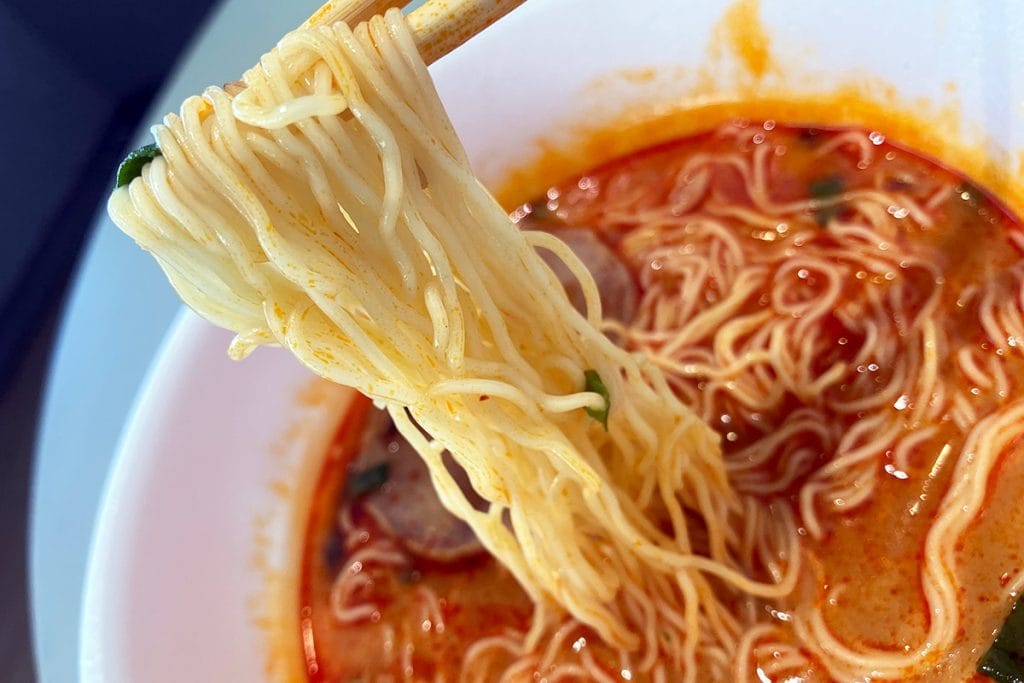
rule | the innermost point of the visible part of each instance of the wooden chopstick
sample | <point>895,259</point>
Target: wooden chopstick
<point>439,26</point>
<point>350,11</point>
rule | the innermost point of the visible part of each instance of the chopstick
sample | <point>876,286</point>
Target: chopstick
<point>350,11</point>
<point>439,26</point>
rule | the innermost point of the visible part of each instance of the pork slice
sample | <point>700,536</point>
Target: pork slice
<point>403,502</point>
<point>614,281</point>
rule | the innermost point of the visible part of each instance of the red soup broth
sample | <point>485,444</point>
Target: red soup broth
<point>413,618</point>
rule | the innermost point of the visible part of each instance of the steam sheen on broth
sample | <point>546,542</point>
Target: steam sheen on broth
<point>849,316</point>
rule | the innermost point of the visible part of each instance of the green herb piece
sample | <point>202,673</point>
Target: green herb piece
<point>1001,666</point>
<point>1004,661</point>
<point>365,481</point>
<point>131,167</point>
<point>593,383</point>
<point>822,189</point>
<point>827,187</point>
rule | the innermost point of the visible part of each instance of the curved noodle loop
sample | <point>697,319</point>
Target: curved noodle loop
<point>834,356</point>
<point>329,208</point>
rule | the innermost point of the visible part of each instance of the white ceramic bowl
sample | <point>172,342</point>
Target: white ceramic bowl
<point>195,553</point>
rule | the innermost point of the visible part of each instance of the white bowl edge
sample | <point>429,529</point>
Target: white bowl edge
<point>143,618</point>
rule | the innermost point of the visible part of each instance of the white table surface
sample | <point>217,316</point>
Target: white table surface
<point>119,308</point>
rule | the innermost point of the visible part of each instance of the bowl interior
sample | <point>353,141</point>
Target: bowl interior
<point>195,551</point>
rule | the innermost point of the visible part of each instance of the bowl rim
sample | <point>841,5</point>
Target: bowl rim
<point>458,83</point>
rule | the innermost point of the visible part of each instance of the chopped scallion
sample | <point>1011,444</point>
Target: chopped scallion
<point>131,167</point>
<point>593,383</point>
<point>365,481</point>
<point>826,188</point>
<point>1004,661</point>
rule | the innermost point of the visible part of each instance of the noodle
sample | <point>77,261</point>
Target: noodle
<point>328,207</point>
<point>307,211</point>
<point>808,288</point>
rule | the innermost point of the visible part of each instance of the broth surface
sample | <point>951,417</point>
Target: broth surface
<point>713,268</point>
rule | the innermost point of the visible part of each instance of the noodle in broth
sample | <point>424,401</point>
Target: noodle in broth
<point>827,301</point>
<point>847,316</point>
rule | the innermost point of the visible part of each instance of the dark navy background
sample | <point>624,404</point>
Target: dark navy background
<point>75,79</point>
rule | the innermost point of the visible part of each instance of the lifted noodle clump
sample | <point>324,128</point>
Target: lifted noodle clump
<point>329,208</point>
